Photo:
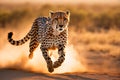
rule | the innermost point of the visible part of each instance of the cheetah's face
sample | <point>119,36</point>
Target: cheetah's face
<point>60,20</point>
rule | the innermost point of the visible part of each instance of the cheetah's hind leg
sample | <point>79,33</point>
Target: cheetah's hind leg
<point>33,45</point>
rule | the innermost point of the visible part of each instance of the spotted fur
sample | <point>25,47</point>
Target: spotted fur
<point>51,32</point>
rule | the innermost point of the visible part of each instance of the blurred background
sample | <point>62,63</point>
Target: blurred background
<point>94,29</point>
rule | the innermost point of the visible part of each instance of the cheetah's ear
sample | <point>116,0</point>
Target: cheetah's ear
<point>51,13</point>
<point>68,12</point>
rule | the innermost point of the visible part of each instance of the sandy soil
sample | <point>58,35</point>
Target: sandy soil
<point>8,74</point>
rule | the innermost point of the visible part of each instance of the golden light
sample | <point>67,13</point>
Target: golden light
<point>17,57</point>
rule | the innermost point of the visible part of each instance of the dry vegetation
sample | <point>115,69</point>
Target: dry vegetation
<point>89,17</point>
<point>94,29</point>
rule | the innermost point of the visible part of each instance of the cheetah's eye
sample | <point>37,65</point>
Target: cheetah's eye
<point>65,19</point>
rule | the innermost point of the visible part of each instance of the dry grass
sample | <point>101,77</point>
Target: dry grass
<point>104,42</point>
<point>89,17</point>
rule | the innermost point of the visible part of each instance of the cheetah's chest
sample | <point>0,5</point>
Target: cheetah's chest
<point>52,41</point>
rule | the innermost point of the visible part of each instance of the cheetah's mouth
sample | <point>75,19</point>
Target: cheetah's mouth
<point>60,30</point>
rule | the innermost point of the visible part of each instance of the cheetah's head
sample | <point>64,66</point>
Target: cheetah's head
<point>60,20</point>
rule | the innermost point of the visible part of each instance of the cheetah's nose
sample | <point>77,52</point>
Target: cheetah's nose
<point>61,26</point>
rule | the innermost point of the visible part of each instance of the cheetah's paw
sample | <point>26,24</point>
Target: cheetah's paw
<point>30,56</point>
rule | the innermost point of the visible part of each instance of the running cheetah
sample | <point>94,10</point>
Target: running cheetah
<point>51,33</point>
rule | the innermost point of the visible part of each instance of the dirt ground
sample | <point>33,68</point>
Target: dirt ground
<point>8,74</point>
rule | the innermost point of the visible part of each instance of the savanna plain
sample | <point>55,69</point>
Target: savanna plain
<point>92,53</point>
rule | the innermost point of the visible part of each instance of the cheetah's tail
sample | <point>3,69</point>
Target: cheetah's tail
<point>18,42</point>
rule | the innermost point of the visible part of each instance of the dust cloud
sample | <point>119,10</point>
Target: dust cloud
<point>16,57</point>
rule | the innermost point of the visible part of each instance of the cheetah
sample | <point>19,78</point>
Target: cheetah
<point>51,33</point>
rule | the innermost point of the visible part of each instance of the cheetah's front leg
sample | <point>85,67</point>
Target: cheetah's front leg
<point>61,56</point>
<point>47,59</point>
